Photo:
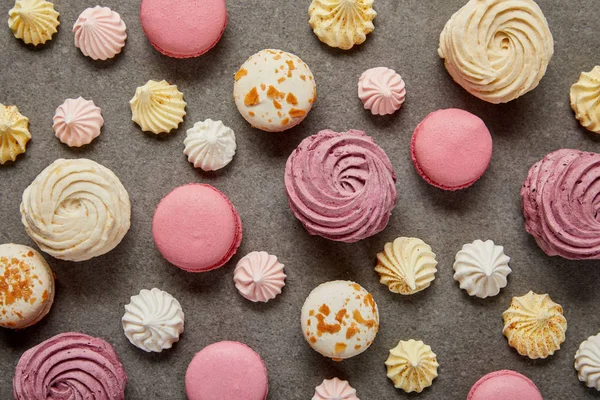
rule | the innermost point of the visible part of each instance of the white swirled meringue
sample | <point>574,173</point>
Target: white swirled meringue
<point>76,210</point>
<point>406,265</point>
<point>585,99</point>
<point>481,268</point>
<point>153,320</point>
<point>381,90</point>
<point>335,389</point>
<point>412,366</point>
<point>259,276</point>
<point>77,122</point>
<point>157,107</point>
<point>497,50</point>
<point>587,362</point>
<point>33,21</point>
<point>210,145</point>
<point>100,33</point>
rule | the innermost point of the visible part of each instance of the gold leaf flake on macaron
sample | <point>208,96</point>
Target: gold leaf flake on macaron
<point>33,21</point>
<point>158,107</point>
<point>14,133</point>
<point>412,366</point>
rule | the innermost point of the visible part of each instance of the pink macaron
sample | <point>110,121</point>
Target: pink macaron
<point>227,370</point>
<point>504,385</point>
<point>451,149</point>
<point>196,228</point>
<point>183,28</point>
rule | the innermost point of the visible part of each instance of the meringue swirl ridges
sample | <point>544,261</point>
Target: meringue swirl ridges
<point>259,276</point>
<point>77,122</point>
<point>497,50</point>
<point>157,107</point>
<point>412,366</point>
<point>33,21</point>
<point>210,145</point>
<point>335,389</point>
<point>100,33</point>
<point>381,90</point>
<point>587,362</point>
<point>14,133</point>
<point>585,99</point>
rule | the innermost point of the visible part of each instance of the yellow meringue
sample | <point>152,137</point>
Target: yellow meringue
<point>412,366</point>
<point>33,21</point>
<point>14,133</point>
<point>585,99</point>
<point>158,107</point>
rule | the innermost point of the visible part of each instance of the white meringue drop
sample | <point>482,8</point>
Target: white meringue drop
<point>210,145</point>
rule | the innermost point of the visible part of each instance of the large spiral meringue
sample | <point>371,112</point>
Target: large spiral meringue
<point>14,133</point>
<point>587,362</point>
<point>259,276</point>
<point>157,107</point>
<point>381,90</point>
<point>153,320</point>
<point>210,145</point>
<point>76,210</point>
<point>335,389</point>
<point>560,204</point>
<point>406,266</point>
<point>497,50</point>
<point>77,122</point>
<point>33,21</point>
<point>585,99</point>
<point>412,366</point>
<point>70,366</point>
<point>100,33</point>
<point>341,186</point>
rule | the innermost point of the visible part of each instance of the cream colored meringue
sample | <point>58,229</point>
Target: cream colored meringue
<point>33,21</point>
<point>210,145</point>
<point>534,325</point>
<point>77,122</point>
<point>497,50</point>
<point>153,320</point>
<point>100,33</point>
<point>481,268</point>
<point>157,107</point>
<point>335,389</point>
<point>342,23</point>
<point>76,210</point>
<point>412,366</point>
<point>381,90</point>
<point>585,99</point>
<point>587,362</point>
<point>406,266</point>
<point>14,133</point>
<point>259,276</point>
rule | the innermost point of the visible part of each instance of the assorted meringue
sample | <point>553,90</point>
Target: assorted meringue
<point>481,268</point>
<point>497,50</point>
<point>33,21</point>
<point>335,389</point>
<point>534,325</point>
<point>157,107</point>
<point>585,99</point>
<point>14,133</point>
<point>342,23</point>
<point>412,366</point>
<point>259,276</point>
<point>77,122</point>
<point>210,145</point>
<point>76,210</point>
<point>100,33</point>
<point>381,90</point>
<point>406,265</point>
<point>587,362</point>
<point>153,320</point>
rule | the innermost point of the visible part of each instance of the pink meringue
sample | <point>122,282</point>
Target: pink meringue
<point>259,276</point>
<point>100,33</point>
<point>381,90</point>
<point>77,122</point>
<point>335,389</point>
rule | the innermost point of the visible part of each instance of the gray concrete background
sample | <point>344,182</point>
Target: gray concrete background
<point>464,332</point>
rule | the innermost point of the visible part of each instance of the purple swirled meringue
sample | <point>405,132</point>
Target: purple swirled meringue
<point>70,366</point>
<point>561,204</point>
<point>341,186</point>
<point>335,389</point>
<point>100,33</point>
<point>381,90</point>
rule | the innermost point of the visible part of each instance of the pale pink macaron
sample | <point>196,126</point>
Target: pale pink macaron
<point>451,149</point>
<point>196,228</point>
<point>183,28</point>
<point>227,370</point>
<point>504,385</point>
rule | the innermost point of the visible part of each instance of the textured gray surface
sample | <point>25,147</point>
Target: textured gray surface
<point>464,332</point>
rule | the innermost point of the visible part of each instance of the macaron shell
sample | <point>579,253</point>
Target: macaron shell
<point>183,28</point>
<point>196,228</point>
<point>227,370</point>
<point>451,149</point>
<point>504,385</point>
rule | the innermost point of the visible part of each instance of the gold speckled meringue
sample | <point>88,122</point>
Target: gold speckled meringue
<point>406,266</point>
<point>412,366</point>
<point>14,133</point>
<point>585,99</point>
<point>158,107</point>
<point>342,23</point>
<point>534,325</point>
<point>33,21</point>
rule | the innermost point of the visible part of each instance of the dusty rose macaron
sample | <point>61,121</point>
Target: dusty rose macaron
<point>451,149</point>
<point>504,385</point>
<point>183,28</point>
<point>227,370</point>
<point>196,228</point>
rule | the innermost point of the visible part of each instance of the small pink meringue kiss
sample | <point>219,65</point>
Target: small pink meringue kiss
<point>100,33</point>
<point>77,122</point>
<point>259,276</point>
<point>381,90</point>
<point>335,389</point>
